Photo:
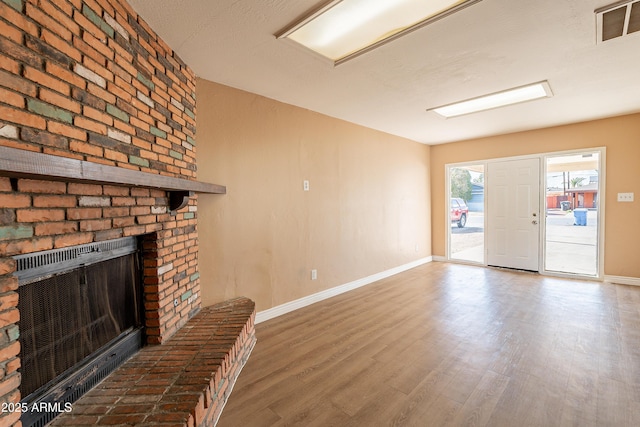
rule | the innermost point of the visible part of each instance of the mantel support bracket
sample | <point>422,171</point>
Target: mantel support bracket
<point>178,200</point>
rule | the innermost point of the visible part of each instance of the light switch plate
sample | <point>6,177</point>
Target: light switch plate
<point>625,197</point>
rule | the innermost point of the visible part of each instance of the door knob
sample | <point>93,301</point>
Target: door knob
<point>534,222</point>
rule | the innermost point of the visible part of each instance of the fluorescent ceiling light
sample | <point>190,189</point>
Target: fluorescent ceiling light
<point>343,29</point>
<point>495,100</point>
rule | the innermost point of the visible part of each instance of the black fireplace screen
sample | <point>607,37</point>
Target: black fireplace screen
<point>65,318</point>
<point>80,316</point>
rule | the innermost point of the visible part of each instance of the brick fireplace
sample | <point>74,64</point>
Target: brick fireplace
<point>97,124</point>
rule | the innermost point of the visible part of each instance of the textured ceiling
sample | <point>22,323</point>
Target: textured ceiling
<point>490,46</point>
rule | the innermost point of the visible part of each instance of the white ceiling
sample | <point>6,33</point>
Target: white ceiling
<point>490,46</point>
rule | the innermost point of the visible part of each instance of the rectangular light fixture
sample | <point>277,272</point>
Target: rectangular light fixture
<point>496,100</point>
<point>343,29</point>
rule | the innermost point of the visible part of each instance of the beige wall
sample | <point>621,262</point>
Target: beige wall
<point>620,136</point>
<point>368,208</point>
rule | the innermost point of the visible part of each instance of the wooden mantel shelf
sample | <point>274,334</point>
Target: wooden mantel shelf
<point>15,163</point>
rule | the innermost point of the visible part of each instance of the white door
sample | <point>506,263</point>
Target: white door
<point>513,214</point>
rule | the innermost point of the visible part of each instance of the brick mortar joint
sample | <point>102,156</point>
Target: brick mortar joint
<point>238,362</point>
<point>216,404</point>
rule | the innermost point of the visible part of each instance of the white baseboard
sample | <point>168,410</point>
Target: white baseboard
<point>438,258</point>
<point>317,297</point>
<point>622,280</point>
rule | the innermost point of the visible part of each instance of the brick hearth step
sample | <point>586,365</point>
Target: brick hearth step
<point>184,382</point>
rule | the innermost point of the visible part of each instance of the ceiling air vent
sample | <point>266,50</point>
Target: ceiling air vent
<point>618,19</point>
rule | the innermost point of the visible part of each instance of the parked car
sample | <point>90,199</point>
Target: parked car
<point>459,211</point>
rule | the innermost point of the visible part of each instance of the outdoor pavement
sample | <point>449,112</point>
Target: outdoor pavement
<point>570,248</point>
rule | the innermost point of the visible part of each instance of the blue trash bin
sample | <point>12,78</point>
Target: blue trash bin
<point>580,216</point>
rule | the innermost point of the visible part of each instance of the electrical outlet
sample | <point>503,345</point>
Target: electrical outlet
<point>625,197</point>
<point>305,185</point>
<point>314,274</point>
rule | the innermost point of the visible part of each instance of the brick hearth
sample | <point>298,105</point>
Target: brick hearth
<point>90,80</point>
<point>184,382</point>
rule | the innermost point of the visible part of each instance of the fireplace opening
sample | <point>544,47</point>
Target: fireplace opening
<point>80,318</point>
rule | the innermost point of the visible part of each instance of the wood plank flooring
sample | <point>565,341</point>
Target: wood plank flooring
<point>449,345</point>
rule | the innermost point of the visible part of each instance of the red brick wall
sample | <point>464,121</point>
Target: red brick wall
<point>89,79</point>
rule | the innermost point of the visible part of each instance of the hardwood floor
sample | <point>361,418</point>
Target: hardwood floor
<point>447,344</point>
